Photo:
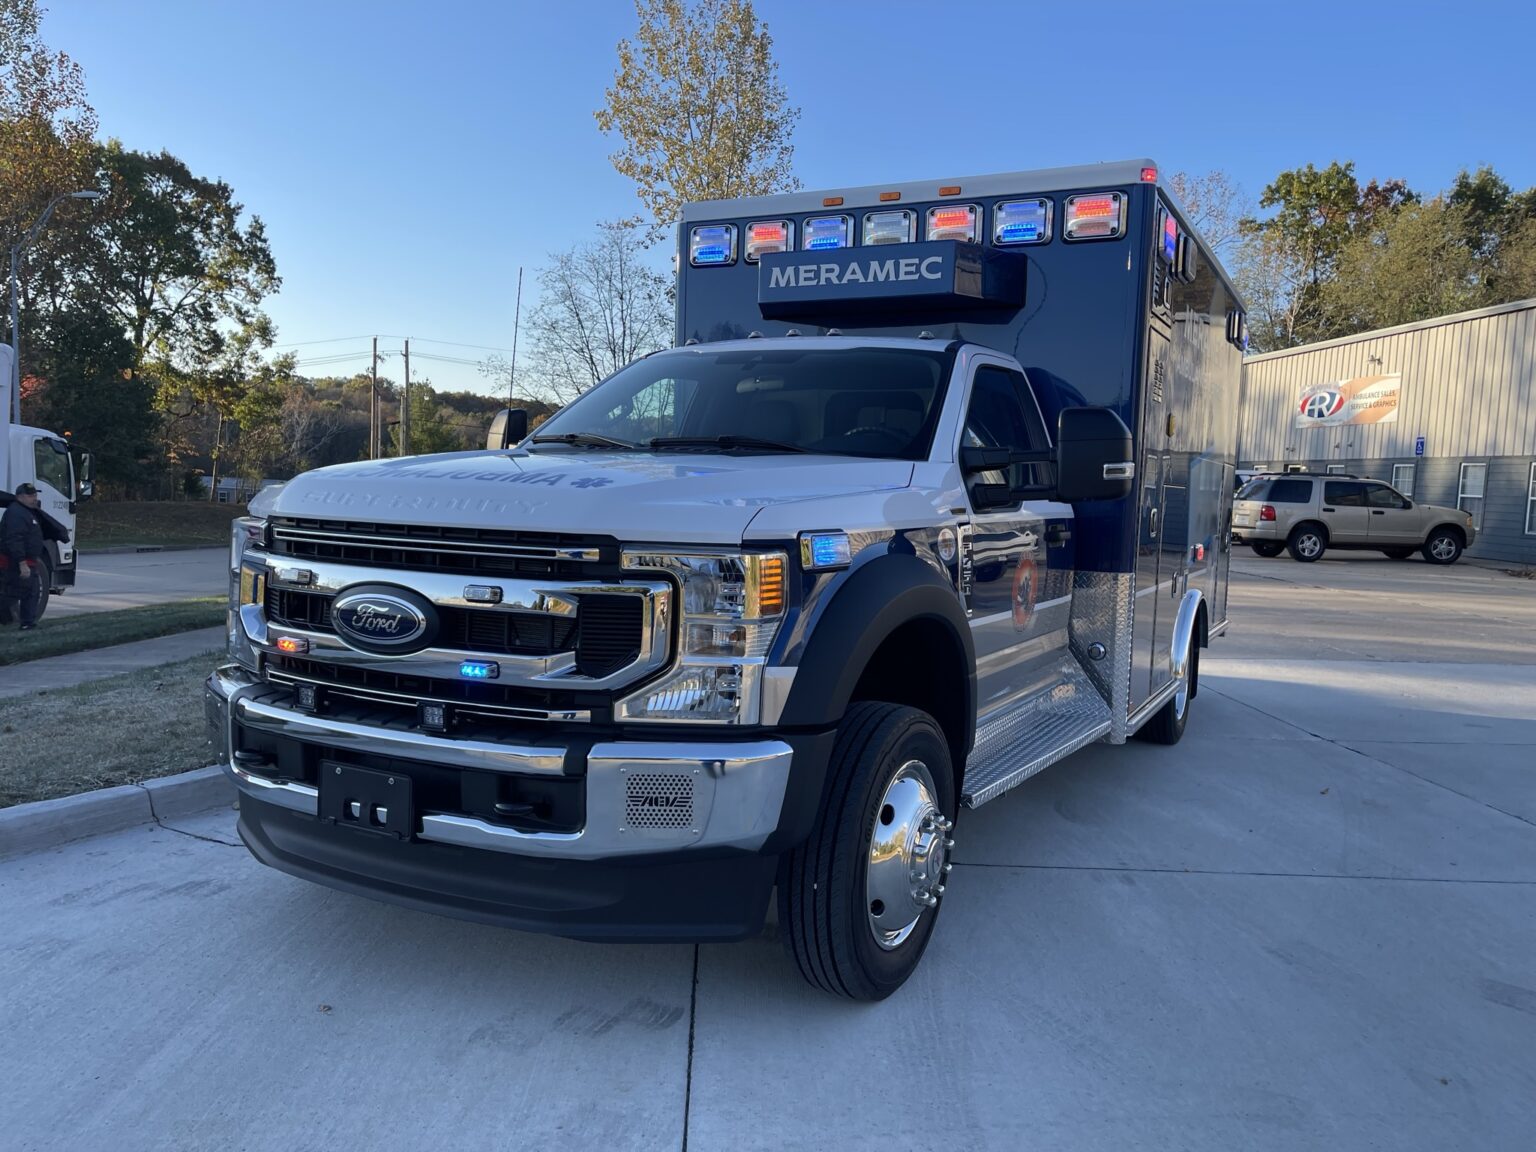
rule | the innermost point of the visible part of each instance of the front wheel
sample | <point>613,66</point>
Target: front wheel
<point>45,586</point>
<point>1443,546</point>
<point>859,899</point>
<point>1269,549</point>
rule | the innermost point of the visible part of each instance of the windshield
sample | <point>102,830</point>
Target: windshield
<point>51,461</point>
<point>878,402</point>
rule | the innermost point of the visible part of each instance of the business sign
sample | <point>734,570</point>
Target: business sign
<point>1362,400</point>
<point>885,277</point>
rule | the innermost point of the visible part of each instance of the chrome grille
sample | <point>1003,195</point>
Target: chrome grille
<point>435,548</point>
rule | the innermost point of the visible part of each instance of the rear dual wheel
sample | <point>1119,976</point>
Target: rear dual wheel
<point>1268,549</point>
<point>859,899</point>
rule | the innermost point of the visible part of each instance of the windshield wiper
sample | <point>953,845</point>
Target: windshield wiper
<point>725,442</point>
<point>585,440</point>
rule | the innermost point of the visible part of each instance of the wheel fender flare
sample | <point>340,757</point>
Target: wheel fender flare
<point>874,601</point>
<point>1184,634</point>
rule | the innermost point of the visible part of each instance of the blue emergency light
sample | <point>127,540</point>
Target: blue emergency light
<point>712,244</point>
<point>480,670</point>
<point>824,232</point>
<point>1022,222</point>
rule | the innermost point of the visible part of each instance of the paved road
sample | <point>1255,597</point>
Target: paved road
<point>126,580</point>
<point>1310,925</point>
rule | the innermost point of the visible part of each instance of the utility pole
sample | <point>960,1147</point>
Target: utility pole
<point>405,405</point>
<point>373,406</point>
<point>517,316</point>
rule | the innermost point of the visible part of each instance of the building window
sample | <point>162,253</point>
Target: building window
<point>1335,469</point>
<point>1469,494</point>
<point>1402,478</point>
<point>1530,504</point>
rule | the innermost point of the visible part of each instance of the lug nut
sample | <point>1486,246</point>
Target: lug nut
<point>948,867</point>
<point>949,842</point>
<point>939,890</point>
<point>927,825</point>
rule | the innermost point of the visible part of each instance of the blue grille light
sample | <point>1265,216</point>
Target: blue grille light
<point>820,550</point>
<point>480,670</point>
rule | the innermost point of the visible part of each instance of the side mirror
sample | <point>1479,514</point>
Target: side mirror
<point>87,484</point>
<point>508,428</point>
<point>1094,457</point>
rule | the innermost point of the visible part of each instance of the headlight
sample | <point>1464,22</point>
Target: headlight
<point>731,607</point>
<point>246,586</point>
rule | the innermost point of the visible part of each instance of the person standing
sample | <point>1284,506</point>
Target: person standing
<point>21,541</point>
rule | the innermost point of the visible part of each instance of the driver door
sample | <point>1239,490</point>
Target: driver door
<point>1021,563</point>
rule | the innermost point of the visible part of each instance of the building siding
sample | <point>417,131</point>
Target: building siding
<point>1468,387</point>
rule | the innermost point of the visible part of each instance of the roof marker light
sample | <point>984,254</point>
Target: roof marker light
<point>823,232</point>
<point>1149,175</point>
<point>712,244</point>
<point>950,190</point>
<point>1095,216</point>
<point>955,222</point>
<point>1021,222</point>
<point>887,197</point>
<point>832,202</point>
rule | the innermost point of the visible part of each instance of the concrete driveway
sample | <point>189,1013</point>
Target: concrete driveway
<point>1310,925</point>
<point>129,579</point>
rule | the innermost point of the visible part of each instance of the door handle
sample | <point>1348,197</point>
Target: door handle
<point>1377,512</point>
<point>1329,509</point>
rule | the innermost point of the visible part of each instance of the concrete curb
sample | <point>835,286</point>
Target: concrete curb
<point>49,823</point>
<point>128,549</point>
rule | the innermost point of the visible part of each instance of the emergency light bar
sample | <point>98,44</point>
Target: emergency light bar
<point>954,222</point>
<point>1097,216</point>
<point>769,236</point>
<point>823,232</point>
<point>1021,222</point>
<point>710,244</point>
<point>1170,237</point>
<point>898,226</point>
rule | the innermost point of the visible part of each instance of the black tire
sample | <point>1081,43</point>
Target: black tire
<point>1307,542</point>
<point>1167,727</point>
<point>45,589</point>
<point>1397,553</point>
<point>1268,549</point>
<point>824,914</point>
<point>1443,546</point>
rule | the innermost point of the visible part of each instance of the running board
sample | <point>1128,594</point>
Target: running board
<point>1034,734</point>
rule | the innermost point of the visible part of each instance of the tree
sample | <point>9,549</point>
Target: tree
<point>173,259</point>
<point>434,428</point>
<point>1215,206</point>
<point>698,103</point>
<point>599,309</point>
<point>46,124</point>
<point>1286,257</point>
<point>89,393</point>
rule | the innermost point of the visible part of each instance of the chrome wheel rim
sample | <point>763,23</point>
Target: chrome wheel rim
<point>1309,544</point>
<point>909,850</point>
<point>1443,548</point>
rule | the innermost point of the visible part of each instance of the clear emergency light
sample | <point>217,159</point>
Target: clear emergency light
<point>1021,222</point>
<point>1097,216</point>
<point>711,244</point>
<point>768,236</point>
<point>954,222</point>
<point>898,226</point>
<point>823,232</point>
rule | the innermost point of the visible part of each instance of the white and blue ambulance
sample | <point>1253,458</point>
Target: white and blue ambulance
<point>932,491</point>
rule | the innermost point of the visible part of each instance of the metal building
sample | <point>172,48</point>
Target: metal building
<point>1444,409</point>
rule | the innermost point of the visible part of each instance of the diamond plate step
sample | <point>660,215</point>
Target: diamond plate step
<point>1034,734</point>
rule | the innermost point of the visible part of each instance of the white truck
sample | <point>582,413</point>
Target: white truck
<point>42,458</point>
<point>934,489</point>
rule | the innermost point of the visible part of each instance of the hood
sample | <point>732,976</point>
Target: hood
<point>634,496</point>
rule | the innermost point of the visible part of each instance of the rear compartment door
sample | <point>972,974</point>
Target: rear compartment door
<point>1344,511</point>
<point>1152,616</point>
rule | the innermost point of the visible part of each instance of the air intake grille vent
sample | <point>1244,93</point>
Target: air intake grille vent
<point>659,800</point>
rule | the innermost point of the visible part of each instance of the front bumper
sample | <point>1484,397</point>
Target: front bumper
<point>700,869</point>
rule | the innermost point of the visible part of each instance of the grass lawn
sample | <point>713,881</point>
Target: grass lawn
<point>116,731</point>
<point>137,523</point>
<point>57,635</point>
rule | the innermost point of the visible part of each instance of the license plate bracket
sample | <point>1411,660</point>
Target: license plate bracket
<point>367,800</point>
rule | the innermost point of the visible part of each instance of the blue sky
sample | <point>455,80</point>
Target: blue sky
<point>407,157</point>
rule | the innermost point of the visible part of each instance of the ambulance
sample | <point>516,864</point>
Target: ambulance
<point>932,491</point>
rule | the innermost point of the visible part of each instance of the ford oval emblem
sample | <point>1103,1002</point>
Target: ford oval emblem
<point>388,621</point>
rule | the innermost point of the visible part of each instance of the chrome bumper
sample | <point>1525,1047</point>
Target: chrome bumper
<point>734,790</point>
